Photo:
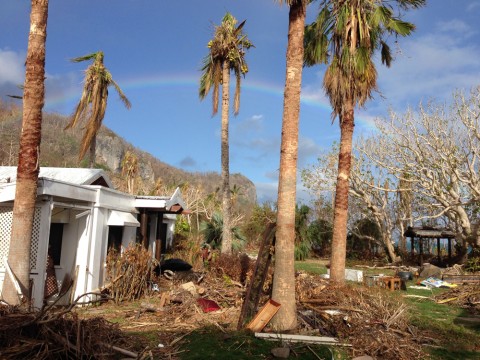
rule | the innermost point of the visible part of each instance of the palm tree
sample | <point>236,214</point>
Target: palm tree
<point>27,170</point>
<point>212,232</point>
<point>93,103</point>
<point>347,33</point>
<point>284,279</point>
<point>226,53</point>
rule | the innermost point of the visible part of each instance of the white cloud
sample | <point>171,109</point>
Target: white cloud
<point>307,148</point>
<point>473,6</point>
<point>249,125</point>
<point>455,26</point>
<point>11,67</point>
<point>266,192</point>
<point>432,66</point>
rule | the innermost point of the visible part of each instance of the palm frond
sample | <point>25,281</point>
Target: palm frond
<point>93,101</point>
<point>228,45</point>
<point>91,56</point>
<point>124,99</point>
<point>386,54</point>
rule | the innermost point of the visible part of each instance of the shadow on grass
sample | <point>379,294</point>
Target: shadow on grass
<point>210,343</point>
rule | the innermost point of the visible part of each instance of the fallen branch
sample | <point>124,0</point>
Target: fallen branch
<point>120,350</point>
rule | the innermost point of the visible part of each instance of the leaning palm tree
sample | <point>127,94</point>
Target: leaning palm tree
<point>284,279</point>
<point>93,103</point>
<point>226,53</point>
<point>346,34</point>
<point>28,169</point>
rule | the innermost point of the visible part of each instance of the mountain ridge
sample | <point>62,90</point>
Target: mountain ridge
<point>59,148</point>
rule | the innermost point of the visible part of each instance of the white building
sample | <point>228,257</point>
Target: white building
<point>80,217</point>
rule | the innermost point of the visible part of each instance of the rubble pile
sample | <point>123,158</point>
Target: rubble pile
<point>465,296</point>
<point>372,321</point>
<point>59,335</point>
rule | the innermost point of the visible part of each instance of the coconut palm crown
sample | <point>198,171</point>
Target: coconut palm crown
<point>347,33</point>
<point>93,102</point>
<point>228,44</point>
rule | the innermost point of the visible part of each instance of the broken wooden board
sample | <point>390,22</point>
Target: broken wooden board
<point>264,316</point>
<point>254,289</point>
<point>462,279</point>
<point>324,340</point>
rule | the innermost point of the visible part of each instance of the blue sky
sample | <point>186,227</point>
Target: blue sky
<point>154,51</point>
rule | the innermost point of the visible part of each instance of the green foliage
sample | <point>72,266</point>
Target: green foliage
<point>181,226</point>
<point>472,264</point>
<point>228,46</point>
<point>262,215</point>
<point>346,34</point>
<point>212,231</point>
<point>303,244</point>
<point>320,233</point>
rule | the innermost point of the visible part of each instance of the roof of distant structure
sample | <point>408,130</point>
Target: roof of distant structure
<point>429,232</point>
<point>79,176</point>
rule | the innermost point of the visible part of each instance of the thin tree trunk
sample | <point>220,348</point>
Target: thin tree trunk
<point>28,168</point>
<point>284,276</point>
<point>226,204</point>
<point>339,238</point>
<point>93,150</point>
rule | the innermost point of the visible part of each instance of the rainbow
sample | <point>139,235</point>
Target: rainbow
<point>162,81</point>
<point>69,97</point>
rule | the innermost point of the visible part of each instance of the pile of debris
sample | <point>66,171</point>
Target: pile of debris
<point>372,321</point>
<point>50,334</point>
<point>465,296</point>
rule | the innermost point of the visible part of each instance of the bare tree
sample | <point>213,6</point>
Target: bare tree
<point>436,150</point>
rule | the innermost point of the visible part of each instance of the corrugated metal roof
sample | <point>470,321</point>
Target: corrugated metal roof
<point>79,176</point>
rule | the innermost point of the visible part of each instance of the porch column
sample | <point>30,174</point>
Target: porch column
<point>421,250</point>
<point>438,249</point>
<point>412,246</point>
<point>158,237</point>
<point>449,249</point>
<point>143,228</point>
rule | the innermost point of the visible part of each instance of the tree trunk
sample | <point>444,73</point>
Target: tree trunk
<point>339,238</point>
<point>93,150</point>
<point>387,241</point>
<point>27,171</point>
<point>226,204</point>
<point>284,276</point>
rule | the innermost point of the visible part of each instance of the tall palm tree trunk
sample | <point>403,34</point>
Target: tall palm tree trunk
<point>226,204</point>
<point>284,276</point>
<point>27,171</point>
<point>339,239</point>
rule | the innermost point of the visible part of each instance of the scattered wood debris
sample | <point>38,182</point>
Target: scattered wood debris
<point>465,296</point>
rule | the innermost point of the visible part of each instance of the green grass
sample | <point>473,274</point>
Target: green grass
<point>443,322</point>
<point>311,267</point>
<point>210,343</point>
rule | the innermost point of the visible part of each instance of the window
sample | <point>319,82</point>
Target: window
<point>115,234</point>
<point>55,242</point>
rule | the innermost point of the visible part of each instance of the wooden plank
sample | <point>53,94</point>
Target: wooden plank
<point>460,279</point>
<point>254,289</point>
<point>300,338</point>
<point>264,316</point>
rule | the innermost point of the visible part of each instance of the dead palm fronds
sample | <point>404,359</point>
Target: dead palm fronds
<point>93,102</point>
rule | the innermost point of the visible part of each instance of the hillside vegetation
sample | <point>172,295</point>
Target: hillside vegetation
<point>59,148</point>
